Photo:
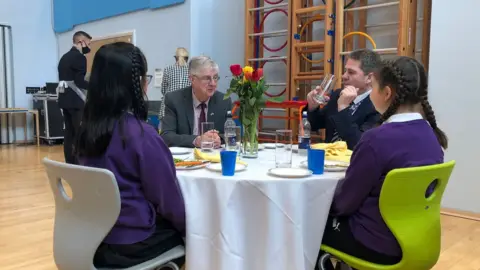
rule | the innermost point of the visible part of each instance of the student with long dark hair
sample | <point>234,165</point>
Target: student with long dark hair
<point>408,136</point>
<point>114,136</point>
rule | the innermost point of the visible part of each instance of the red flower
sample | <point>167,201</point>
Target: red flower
<point>236,70</point>
<point>257,75</point>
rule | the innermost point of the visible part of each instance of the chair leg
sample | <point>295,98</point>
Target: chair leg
<point>168,266</point>
<point>322,260</point>
<point>326,258</point>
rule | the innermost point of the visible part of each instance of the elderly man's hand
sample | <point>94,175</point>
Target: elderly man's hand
<point>211,135</point>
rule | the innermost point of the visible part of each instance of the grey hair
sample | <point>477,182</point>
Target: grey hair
<point>369,60</point>
<point>199,62</point>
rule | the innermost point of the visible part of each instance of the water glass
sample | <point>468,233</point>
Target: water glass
<point>208,142</point>
<point>283,148</point>
<point>327,84</point>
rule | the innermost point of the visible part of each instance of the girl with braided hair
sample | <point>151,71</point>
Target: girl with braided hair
<point>114,135</point>
<point>407,136</point>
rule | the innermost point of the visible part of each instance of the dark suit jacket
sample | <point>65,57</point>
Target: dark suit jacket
<point>177,124</point>
<point>349,127</point>
<point>72,67</point>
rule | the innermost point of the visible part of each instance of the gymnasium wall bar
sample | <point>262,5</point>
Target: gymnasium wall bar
<point>373,6</point>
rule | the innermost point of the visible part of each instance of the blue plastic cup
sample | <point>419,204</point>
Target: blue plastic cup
<point>316,160</point>
<point>228,160</point>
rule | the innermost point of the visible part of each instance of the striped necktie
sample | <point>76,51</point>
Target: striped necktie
<point>353,108</point>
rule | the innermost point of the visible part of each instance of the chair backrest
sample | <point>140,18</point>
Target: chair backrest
<point>83,221</point>
<point>412,216</point>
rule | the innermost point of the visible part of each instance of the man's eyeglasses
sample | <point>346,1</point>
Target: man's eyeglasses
<point>208,79</point>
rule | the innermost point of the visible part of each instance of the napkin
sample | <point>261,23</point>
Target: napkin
<point>337,151</point>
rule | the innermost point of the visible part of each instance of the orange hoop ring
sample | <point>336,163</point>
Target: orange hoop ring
<point>362,34</point>
<point>312,20</point>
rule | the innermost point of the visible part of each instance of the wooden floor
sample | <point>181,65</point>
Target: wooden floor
<point>27,210</point>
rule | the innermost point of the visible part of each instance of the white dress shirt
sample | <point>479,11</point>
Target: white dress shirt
<point>196,113</point>
<point>361,97</point>
<point>404,117</point>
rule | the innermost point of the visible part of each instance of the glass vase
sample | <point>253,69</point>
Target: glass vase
<point>249,119</point>
<point>250,140</point>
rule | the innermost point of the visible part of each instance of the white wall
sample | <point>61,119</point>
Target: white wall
<point>34,48</point>
<point>217,30</point>
<point>157,33</point>
<point>455,96</point>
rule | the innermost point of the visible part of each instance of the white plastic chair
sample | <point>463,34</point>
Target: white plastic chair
<point>83,221</point>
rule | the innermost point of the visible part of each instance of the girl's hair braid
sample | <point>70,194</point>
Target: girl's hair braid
<point>139,107</point>
<point>399,82</point>
<point>407,77</point>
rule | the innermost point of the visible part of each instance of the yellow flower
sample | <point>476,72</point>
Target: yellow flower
<point>247,69</point>
<point>247,72</point>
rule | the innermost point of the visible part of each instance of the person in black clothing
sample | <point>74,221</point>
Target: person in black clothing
<point>71,91</point>
<point>348,111</point>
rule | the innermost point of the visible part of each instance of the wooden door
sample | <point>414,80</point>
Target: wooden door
<point>97,43</point>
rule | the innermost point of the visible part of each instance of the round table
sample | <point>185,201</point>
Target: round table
<point>254,221</point>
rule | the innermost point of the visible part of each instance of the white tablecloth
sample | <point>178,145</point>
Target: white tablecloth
<point>253,221</point>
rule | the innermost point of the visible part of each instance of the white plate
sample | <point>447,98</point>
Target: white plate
<point>290,172</point>
<point>330,165</point>
<point>196,167</point>
<point>217,167</point>
<point>180,150</point>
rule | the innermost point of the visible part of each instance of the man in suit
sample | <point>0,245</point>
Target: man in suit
<point>349,111</point>
<point>71,89</point>
<point>187,108</point>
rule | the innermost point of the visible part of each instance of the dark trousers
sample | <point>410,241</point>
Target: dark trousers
<point>162,240</point>
<point>338,235</point>
<point>71,118</point>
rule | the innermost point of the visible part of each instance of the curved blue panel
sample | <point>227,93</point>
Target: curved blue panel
<point>164,3</point>
<point>68,13</point>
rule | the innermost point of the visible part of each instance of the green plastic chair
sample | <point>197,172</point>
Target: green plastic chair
<point>413,218</point>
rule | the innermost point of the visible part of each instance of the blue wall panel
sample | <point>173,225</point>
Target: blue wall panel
<point>63,15</point>
<point>68,13</point>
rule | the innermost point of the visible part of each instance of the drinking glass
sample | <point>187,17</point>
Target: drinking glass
<point>327,84</point>
<point>208,142</point>
<point>283,148</point>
